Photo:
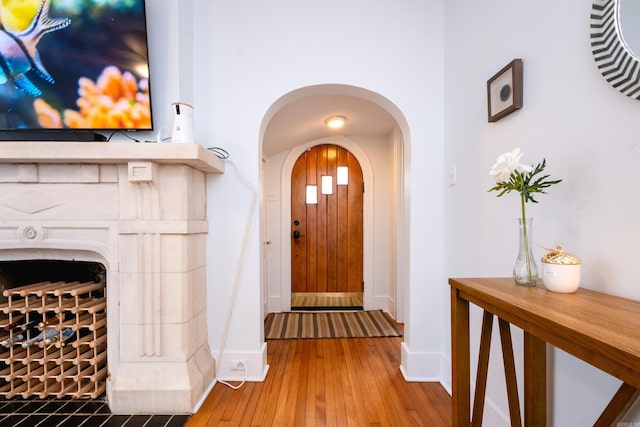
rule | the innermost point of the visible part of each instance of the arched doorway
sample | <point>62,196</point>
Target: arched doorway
<point>327,230</point>
<point>292,125</point>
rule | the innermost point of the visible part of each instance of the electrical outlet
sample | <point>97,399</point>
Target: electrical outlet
<point>238,364</point>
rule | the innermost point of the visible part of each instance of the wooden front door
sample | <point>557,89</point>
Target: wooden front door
<point>326,221</point>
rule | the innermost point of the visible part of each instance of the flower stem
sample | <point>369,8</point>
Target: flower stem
<point>526,238</point>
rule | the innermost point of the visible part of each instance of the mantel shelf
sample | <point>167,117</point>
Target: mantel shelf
<point>191,154</point>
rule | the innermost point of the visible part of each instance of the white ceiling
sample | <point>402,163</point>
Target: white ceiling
<point>302,121</point>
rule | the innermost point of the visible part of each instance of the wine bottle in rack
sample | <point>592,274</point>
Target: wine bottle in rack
<point>28,325</point>
<point>31,321</point>
<point>48,332</point>
<point>62,336</point>
<point>15,323</point>
<point>17,338</point>
<point>52,321</point>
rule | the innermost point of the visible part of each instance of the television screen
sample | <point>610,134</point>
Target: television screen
<point>74,64</point>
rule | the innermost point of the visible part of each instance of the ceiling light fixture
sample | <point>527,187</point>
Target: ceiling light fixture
<point>335,122</point>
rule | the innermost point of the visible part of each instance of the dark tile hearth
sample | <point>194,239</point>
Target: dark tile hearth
<point>75,413</point>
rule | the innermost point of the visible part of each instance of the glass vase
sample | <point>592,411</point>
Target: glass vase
<point>525,270</point>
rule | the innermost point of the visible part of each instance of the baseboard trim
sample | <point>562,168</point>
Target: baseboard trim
<point>420,366</point>
<point>204,396</point>
<point>384,303</point>
<point>275,305</point>
<point>256,362</point>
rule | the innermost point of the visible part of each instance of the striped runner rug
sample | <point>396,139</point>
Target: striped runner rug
<point>348,324</point>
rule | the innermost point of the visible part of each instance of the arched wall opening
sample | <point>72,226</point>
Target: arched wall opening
<point>277,202</point>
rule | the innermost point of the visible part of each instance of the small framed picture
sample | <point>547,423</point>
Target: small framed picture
<point>504,91</point>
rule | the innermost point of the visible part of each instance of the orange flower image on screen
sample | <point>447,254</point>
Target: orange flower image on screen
<point>115,100</point>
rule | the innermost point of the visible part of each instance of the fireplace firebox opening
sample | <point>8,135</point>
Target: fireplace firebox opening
<point>53,335</point>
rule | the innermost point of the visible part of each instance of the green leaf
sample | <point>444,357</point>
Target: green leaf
<point>526,184</point>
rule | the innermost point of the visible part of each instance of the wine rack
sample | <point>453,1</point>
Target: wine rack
<point>73,361</point>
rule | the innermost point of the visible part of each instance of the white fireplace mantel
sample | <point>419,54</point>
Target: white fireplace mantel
<point>140,209</point>
<point>190,154</point>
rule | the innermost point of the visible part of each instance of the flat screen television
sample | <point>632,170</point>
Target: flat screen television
<point>73,69</point>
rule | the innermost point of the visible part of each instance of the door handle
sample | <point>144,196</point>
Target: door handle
<point>296,234</point>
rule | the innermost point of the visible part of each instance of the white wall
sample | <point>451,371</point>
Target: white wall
<point>170,40</point>
<point>588,133</point>
<point>247,56</point>
<point>380,152</point>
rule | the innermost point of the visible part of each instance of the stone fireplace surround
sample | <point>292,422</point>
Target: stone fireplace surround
<point>140,210</point>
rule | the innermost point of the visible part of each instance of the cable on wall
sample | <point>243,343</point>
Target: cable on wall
<point>220,152</point>
<point>236,280</point>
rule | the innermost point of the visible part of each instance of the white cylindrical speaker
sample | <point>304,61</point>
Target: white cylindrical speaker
<point>182,122</point>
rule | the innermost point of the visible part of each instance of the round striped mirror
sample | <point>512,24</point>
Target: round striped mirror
<point>615,60</point>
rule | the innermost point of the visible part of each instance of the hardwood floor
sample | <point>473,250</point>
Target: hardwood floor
<point>329,382</point>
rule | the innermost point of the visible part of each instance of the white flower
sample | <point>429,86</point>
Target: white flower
<point>507,163</point>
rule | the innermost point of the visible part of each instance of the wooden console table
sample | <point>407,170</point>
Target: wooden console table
<point>601,329</point>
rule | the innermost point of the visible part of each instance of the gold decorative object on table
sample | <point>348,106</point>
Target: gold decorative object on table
<point>561,271</point>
